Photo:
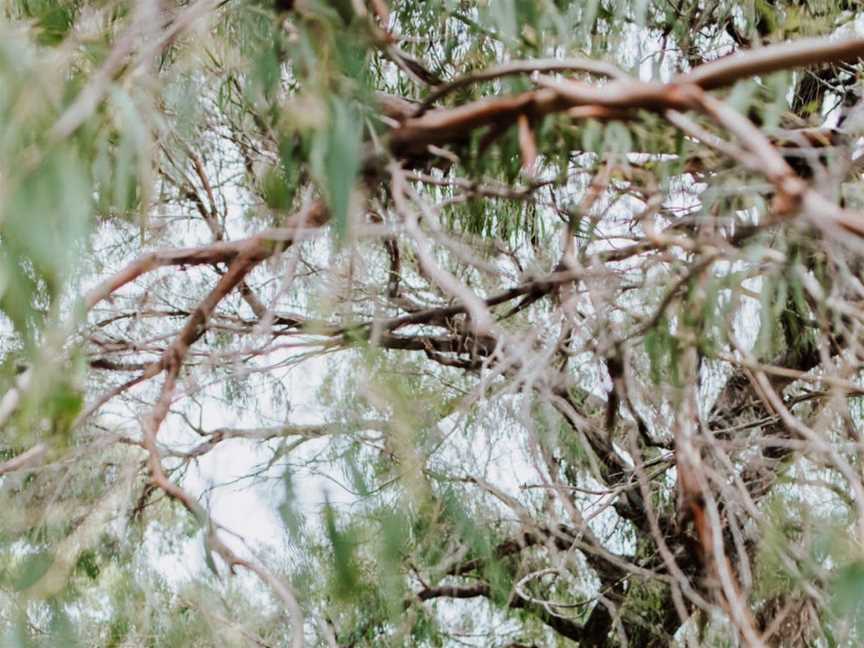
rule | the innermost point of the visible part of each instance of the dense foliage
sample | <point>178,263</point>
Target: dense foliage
<point>431,323</point>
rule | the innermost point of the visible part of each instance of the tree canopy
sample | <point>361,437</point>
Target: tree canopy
<point>358,323</point>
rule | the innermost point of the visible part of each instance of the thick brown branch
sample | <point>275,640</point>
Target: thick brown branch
<point>773,58</point>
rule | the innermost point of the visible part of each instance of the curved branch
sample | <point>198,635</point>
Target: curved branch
<point>512,68</point>
<point>442,126</point>
<point>260,247</point>
<point>773,58</point>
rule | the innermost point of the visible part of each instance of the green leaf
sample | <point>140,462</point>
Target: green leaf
<point>63,405</point>
<point>848,593</point>
<point>88,564</point>
<point>290,512</point>
<point>208,556</point>
<point>32,569</point>
<point>347,576</point>
<point>338,161</point>
<point>54,19</point>
<point>275,191</point>
<point>392,539</point>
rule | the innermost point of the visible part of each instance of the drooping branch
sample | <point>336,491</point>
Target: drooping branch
<point>259,247</point>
